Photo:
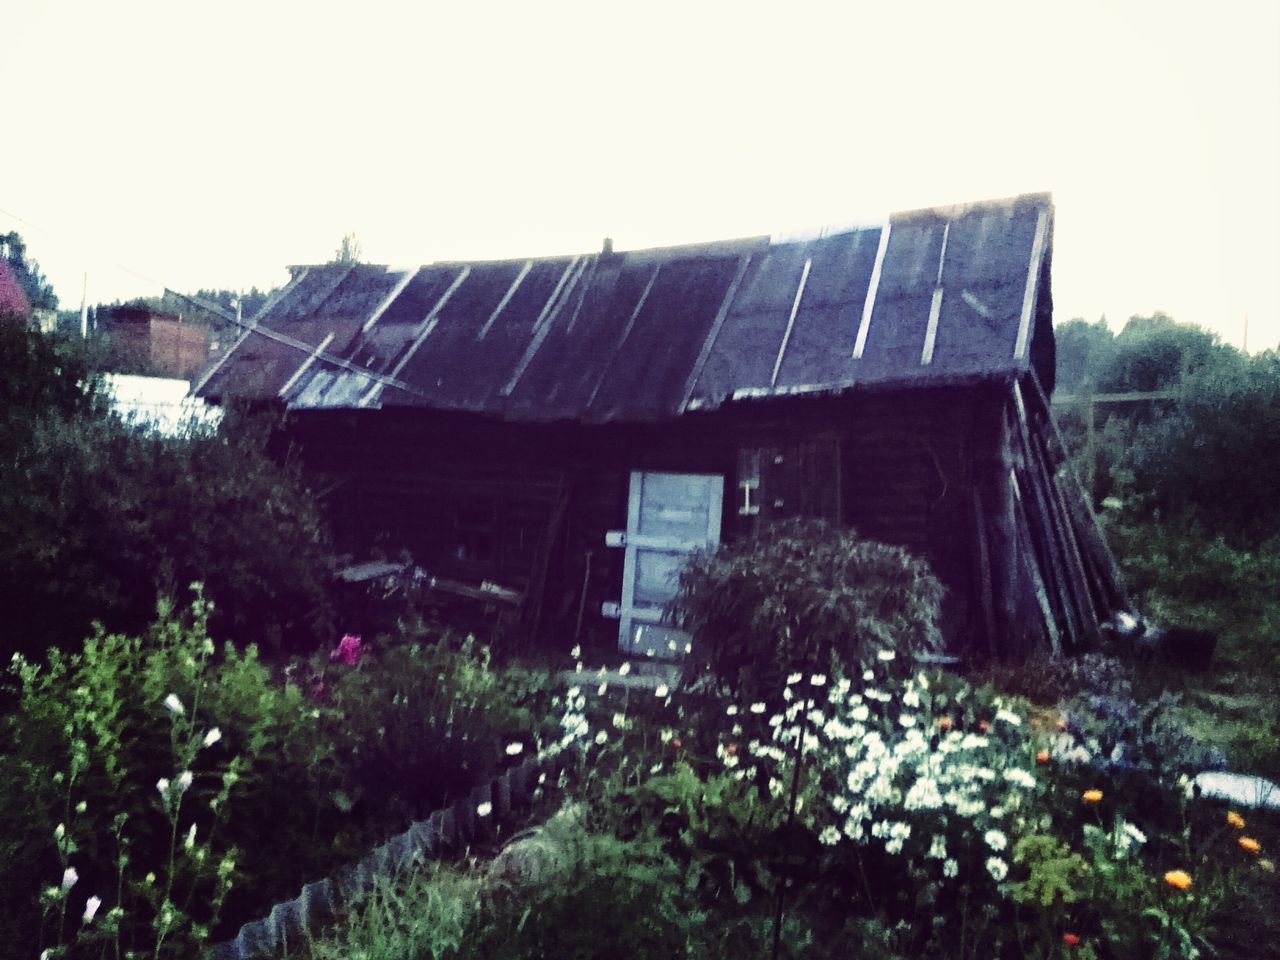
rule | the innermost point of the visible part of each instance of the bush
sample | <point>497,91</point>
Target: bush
<point>283,784</point>
<point>803,594</point>
<point>100,517</point>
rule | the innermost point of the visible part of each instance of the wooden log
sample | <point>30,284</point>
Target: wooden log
<point>984,572</point>
<point>1079,501</point>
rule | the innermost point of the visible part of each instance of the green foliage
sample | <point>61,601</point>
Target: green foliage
<point>100,517</point>
<point>35,287</point>
<point>298,780</point>
<point>803,592</point>
<point>423,723</point>
<point>1055,875</point>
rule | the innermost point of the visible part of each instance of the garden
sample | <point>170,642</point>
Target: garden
<point>803,789</point>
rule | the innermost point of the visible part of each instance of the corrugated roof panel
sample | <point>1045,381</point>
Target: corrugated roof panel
<point>821,344</point>
<point>747,347</point>
<point>454,367</point>
<point>566,371</point>
<point>305,300</point>
<point>622,336</point>
<point>646,377</point>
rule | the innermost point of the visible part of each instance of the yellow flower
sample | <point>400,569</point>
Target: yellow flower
<point>1235,820</point>
<point>1091,796</point>
<point>1178,878</point>
<point>1250,845</point>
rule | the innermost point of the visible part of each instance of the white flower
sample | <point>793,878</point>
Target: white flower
<point>997,868</point>
<point>576,652</point>
<point>1009,717</point>
<point>787,694</point>
<point>886,655</point>
<point>911,699</point>
<point>1137,835</point>
<point>514,749</point>
<point>91,907</point>
<point>174,705</point>
<point>661,691</point>
<point>907,720</point>
<point>938,849</point>
<point>601,737</point>
<point>69,878</point>
<point>163,786</point>
<point>860,713</point>
<point>868,675</point>
<point>829,836</point>
<point>484,809</point>
<point>212,737</point>
<point>82,806</point>
<point>818,680</point>
<point>731,711</point>
<point>624,669</point>
<point>996,840</point>
<point>191,838</point>
<point>1020,778</point>
<point>59,831</point>
<point>793,678</point>
<point>950,868</point>
<point>184,781</point>
<point>601,689</point>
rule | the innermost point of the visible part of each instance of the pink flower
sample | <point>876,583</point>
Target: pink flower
<point>348,650</point>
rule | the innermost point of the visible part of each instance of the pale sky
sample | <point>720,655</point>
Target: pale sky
<point>209,145</point>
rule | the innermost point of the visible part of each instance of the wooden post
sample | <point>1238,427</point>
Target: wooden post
<point>1090,449</point>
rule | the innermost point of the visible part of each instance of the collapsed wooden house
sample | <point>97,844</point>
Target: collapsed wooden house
<point>563,431</point>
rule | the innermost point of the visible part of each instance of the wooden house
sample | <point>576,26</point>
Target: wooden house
<point>565,430</point>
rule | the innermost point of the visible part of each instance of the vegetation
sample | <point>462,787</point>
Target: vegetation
<point>811,792</point>
<point>100,516</point>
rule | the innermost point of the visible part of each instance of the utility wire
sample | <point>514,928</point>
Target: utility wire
<point>251,326</point>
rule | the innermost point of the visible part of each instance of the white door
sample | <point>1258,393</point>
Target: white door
<point>669,516</point>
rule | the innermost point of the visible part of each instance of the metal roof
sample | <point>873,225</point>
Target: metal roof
<point>944,295</point>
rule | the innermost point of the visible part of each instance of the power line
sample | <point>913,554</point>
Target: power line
<point>249,326</point>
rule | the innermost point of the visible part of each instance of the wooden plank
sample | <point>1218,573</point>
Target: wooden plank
<point>984,572</point>
<point>1078,499</point>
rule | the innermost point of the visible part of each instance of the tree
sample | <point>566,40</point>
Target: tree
<point>38,291</point>
<point>100,517</point>
<point>1084,352</point>
<point>349,250</point>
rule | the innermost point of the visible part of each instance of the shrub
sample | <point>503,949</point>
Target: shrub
<point>100,517</point>
<point>803,593</point>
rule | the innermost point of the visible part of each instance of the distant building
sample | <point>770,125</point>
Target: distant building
<point>145,340</point>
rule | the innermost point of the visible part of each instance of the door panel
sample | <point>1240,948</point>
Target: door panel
<point>669,516</point>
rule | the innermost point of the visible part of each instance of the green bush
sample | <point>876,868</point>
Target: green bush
<point>299,779</point>
<point>803,594</point>
<point>100,517</point>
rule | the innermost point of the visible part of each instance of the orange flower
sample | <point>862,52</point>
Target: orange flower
<point>984,727</point>
<point>676,744</point>
<point>945,724</point>
<point>1042,758</point>
<point>1235,820</point>
<point>1091,796</point>
<point>1178,878</point>
<point>1250,845</point>
<point>731,749</point>
<point>1071,940</point>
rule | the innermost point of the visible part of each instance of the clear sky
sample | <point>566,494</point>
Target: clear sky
<point>209,145</point>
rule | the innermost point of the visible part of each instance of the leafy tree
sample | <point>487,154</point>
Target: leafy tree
<point>1157,353</point>
<point>99,516</point>
<point>38,290</point>
<point>1084,351</point>
<point>349,250</point>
